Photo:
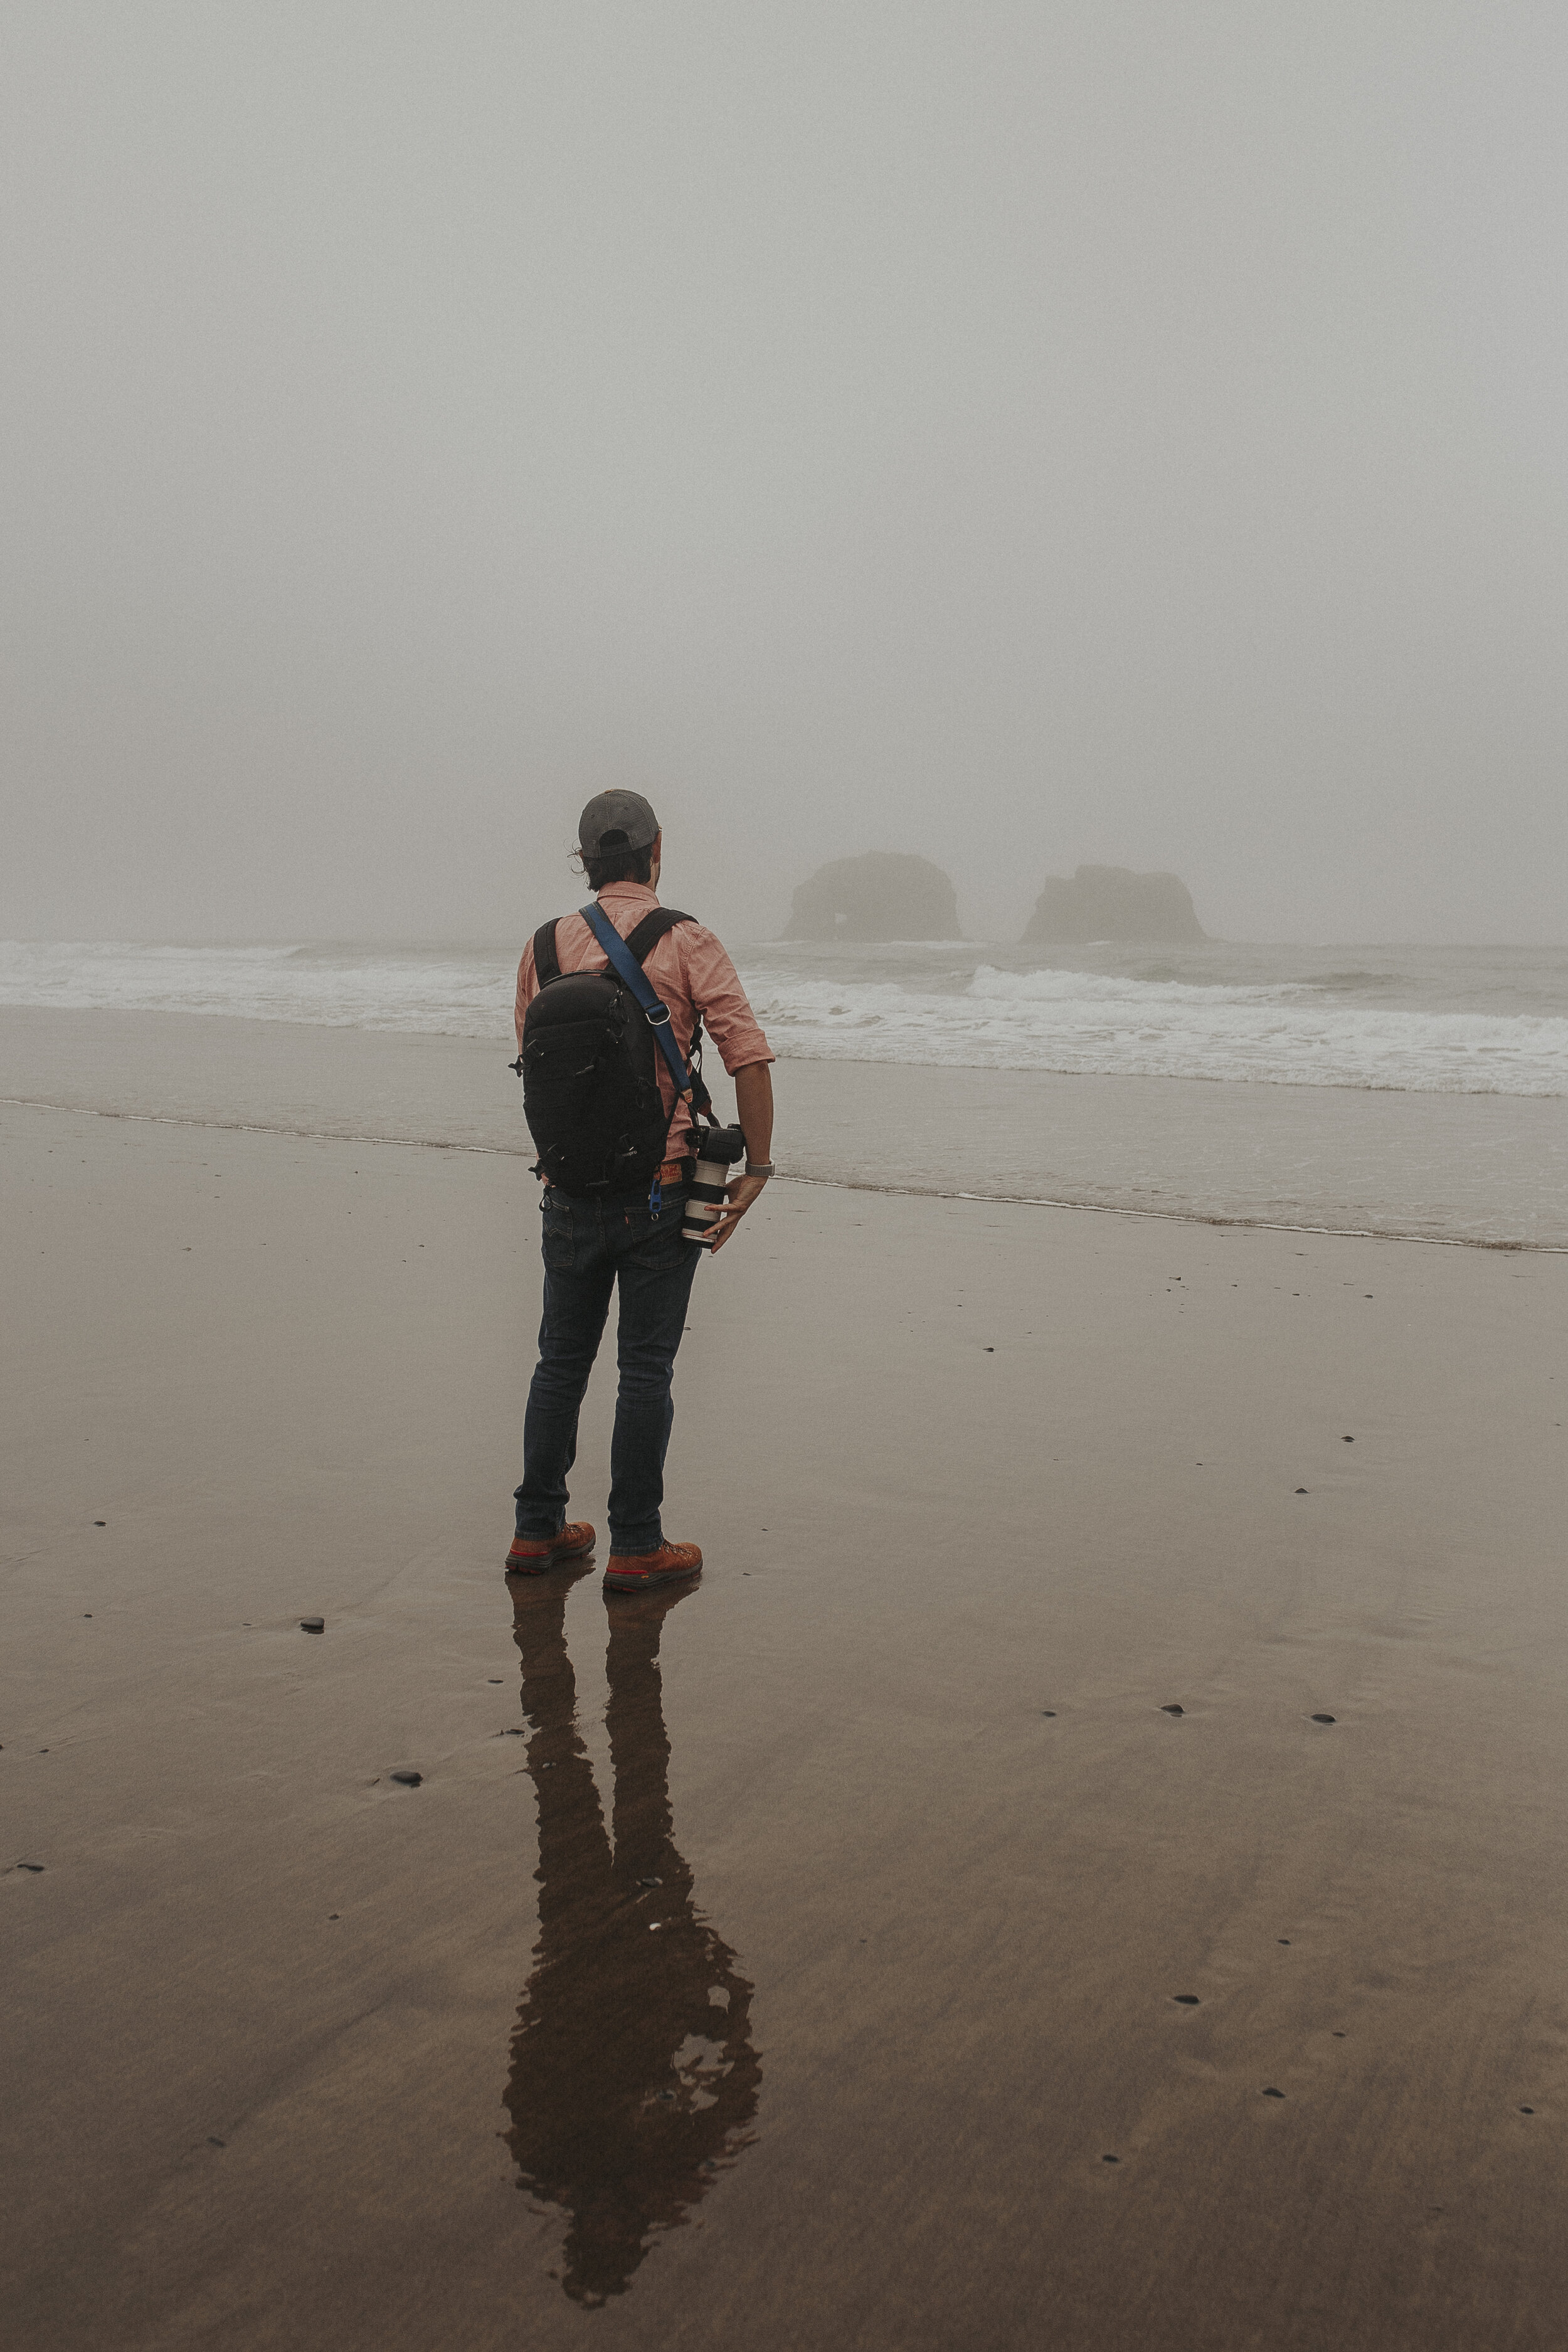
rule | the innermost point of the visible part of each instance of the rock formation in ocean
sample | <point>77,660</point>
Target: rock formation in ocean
<point>881,896</point>
<point>1110,902</point>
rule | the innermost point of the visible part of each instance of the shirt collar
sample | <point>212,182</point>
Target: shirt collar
<point>641,891</point>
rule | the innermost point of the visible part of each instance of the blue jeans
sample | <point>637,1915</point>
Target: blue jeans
<point>589,1246</point>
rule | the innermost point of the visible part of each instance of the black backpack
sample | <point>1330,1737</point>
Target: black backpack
<point>589,1071</point>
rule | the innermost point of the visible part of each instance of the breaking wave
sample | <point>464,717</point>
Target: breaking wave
<point>1280,1026</point>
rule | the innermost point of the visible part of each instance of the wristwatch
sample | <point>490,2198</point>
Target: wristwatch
<point>759,1167</point>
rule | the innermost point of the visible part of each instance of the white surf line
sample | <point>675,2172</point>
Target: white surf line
<point>826,1183</point>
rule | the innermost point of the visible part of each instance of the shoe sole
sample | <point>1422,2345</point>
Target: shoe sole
<point>552,1559</point>
<point>646,1583</point>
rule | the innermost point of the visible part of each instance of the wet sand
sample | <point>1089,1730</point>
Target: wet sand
<point>1484,1169</point>
<point>308,2058</point>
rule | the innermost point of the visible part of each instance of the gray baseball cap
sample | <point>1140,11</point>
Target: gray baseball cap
<point>626,814</point>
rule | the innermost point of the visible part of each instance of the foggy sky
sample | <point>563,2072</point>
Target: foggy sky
<point>1023,434</point>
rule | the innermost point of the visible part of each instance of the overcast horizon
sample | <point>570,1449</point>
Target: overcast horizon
<point>1025,436</point>
<point>510,937</point>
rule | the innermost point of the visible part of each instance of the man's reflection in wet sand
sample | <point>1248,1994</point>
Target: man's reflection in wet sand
<point>633,2076</point>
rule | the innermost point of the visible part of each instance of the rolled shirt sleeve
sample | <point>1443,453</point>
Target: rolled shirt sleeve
<point>715,990</point>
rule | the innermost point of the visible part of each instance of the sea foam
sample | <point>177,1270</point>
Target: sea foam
<point>1283,1034</point>
<point>944,1007</point>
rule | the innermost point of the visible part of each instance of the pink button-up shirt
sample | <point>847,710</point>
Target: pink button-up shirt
<point>690,972</point>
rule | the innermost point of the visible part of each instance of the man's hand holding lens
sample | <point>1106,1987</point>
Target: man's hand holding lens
<point>738,1198</point>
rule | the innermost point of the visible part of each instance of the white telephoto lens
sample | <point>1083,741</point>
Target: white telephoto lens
<point>704,1198</point>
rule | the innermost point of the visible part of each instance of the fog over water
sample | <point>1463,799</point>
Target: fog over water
<point>1020,435</point>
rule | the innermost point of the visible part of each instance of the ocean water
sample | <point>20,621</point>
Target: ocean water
<point>1414,1020</point>
<point>1449,1021</point>
<point>1419,1091</point>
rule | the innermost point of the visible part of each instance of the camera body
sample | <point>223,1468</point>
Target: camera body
<point>718,1149</point>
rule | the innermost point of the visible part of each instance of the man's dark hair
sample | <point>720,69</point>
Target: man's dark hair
<point>611,864</point>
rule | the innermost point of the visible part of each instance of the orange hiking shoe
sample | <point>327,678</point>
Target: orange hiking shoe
<point>637,1572</point>
<point>532,1555</point>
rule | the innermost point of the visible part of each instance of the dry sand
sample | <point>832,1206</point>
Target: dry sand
<point>311,2059</point>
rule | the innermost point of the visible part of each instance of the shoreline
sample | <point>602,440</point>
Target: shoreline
<point>833,1183</point>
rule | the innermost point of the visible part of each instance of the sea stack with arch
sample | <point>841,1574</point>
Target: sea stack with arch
<point>1110,902</point>
<point>883,895</point>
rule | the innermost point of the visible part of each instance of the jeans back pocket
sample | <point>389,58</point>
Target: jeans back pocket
<point>560,1236</point>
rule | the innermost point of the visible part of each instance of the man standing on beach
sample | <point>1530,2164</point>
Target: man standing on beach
<point>634,1239</point>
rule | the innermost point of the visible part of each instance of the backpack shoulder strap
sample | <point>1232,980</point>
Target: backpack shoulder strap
<point>648,933</point>
<point>629,969</point>
<point>546,962</point>
<point>652,929</point>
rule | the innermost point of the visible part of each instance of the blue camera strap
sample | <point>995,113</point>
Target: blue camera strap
<point>627,968</point>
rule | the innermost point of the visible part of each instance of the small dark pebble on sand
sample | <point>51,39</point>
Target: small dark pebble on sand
<point>1111,2159</point>
<point>1173,1709</point>
<point>1281,1940</point>
<point>1347,1441</point>
<point>1324,1718</point>
<point>1187,1999</point>
<point>1273,2095</point>
<point>1527,2111</point>
<point>407,1779</point>
<point>1301,1490</point>
<point>498,1678</point>
<point>1338,2035</point>
<point>313,1625</point>
<point>216,2143</point>
<point>332,1914</point>
<point>101,1523</point>
<point>1049,1710</point>
<point>514,1731</point>
<point>34,1866</point>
